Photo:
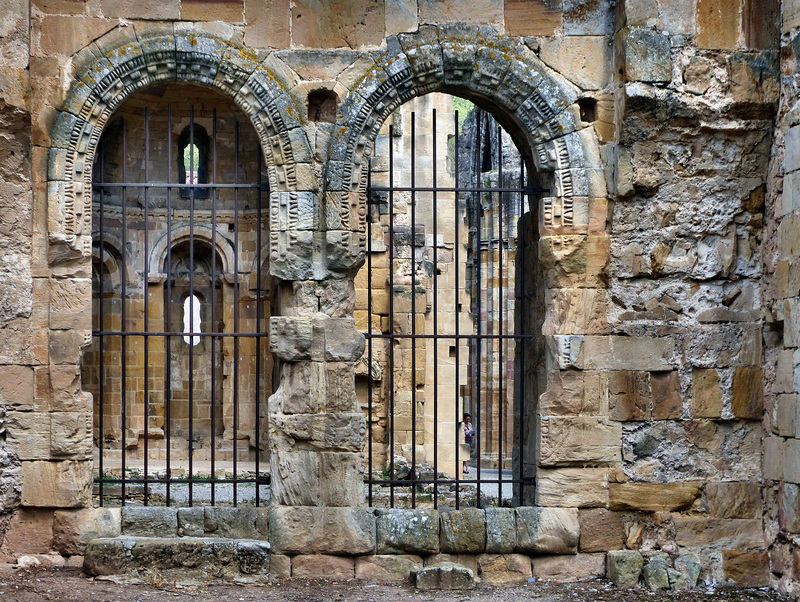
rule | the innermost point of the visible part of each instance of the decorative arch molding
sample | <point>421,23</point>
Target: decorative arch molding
<point>202,234</point>
<point>110,72</point>
<point>469,61</point>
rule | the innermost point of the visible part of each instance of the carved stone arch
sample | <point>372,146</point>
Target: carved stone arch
<point>201,233</point>
<point>111,253</point>
<point>110,72</point>
<point>496,71</point>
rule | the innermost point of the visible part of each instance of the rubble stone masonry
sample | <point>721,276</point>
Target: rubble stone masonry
<point>664,288</point>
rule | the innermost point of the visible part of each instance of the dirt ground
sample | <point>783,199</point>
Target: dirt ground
<point>29,585</point>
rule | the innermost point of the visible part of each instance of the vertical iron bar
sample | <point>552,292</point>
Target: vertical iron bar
<point>214,328</point>
<point>456,246</point>
<point>413,312</point>
<point>435,325</point>
<point>191,298</point>
<point>258,330</point>
<point>391,315</point>
<point>124,346</point>
<point>500,289</point>
<point>369,337</point>
<point>101,304</point>
<point>518,323</point>
<point>168,309</point>
<point>235,308</point>
<point>478,217</point>
<point>146,286</point>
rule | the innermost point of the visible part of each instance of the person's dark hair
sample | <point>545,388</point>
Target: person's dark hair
<point>467,415</point>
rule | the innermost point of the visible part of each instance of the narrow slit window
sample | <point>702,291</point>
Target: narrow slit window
<point>193,161</point>
<point>191,320</point>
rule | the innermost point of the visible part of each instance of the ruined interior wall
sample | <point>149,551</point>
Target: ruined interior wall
<point>649,430</point>
<point>18,312</point>
<point>696,97</point>
<point>781,292</point>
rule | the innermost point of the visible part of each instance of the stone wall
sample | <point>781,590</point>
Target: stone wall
<point>650,122</point>
<point>781,288</point>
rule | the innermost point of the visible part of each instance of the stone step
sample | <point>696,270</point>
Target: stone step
<point>180,559</point>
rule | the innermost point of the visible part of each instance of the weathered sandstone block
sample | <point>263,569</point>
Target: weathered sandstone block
<point>443,577</point>
<point>390,567</point>
<point>408,531</point>
<point>747,392</point>
<point>149,521</point>
<point>243,522</point>
<point>733,500</point>
<point>66,484</point>
<point>564,569</point>
<point>74,529</point>
<point>501,530</point>
<point>746,569</point>
<point>600,530</point>
<point>735,533</point>
<point>547,530</point>
<point>624,567</point>
<point>312,530</point>
<point>462,531</point>
<point>572,487</point>
<point>652,496</point>
<point>321,566</point>
<point>503,569</point>
<point>579,440</point>
<point>706,393</point>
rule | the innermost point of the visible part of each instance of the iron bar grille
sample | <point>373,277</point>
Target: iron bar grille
<point>436,301</point>
<point>178,365</point>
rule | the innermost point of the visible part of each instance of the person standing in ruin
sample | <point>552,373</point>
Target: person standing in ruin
<point>468,437</point>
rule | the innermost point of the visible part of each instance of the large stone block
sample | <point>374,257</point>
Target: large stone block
<point>747,392</point>
<point>71,435</point>
<point>627,353</point>
<point>579,440</point>
<point>312,530</point>
<point>443,577</point>
<point>295,477</point>
<point>408,531</point>
<point>665,388</point>
<point>74,529</point>
<point>652,497</point>
<point>243,522</point>
<point>28,434</point>
<point>564,569</point>
<point>624,567</point>
<point>584,60</point>
<point>150,521</point>
<point>391,567</point>
<point>789,512</point>
<point>706,393</point>
<point>572,487</point>
<point>746,569</point>
<point>30,531</point>
<point>66,484</point>
<point>501,530</point>
<point>524,18</point>
<point>504,569</point>
<point>267,24</point>
<point>735,533</point>
<point>571,393</point>
<point>16,387</point>
<point>718,24</point>
<point>348,24</point>
<point>547,530</point>
<point>734,500</point>
<point>462,531</point>
<point>647,56</point>
<point>600,530</point>
<point>321,566</point>
<point>628,395</point>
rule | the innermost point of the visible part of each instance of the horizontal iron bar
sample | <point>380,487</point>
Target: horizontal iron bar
<point>448,336</point>
<point>156,481</point>
<point>409,483</point>
<point>166,185</point>
<point>523,189</point>
<point>150,333</point>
